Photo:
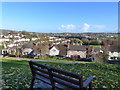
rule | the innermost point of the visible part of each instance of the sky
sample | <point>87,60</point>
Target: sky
<point>59,17</point>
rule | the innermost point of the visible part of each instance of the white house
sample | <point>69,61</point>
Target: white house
<point>54,51</point>
<point>27,51</point>
<point>58,50</point>
<point>4,51</point>
<point>76,50</point>
<point>27,48</point>
<point>114,53</point>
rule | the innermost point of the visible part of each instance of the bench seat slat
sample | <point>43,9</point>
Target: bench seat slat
<point>64,83</point>
<point>44,80</point>
<point>62,87</point>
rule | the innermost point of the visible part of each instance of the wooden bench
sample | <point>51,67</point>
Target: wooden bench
<point>57,78</point>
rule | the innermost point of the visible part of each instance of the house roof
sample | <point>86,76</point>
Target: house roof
<point>114,48</point>
<point>28,50</point>
<point>77,48</point>
<point>62,48</point>
<point>97,49</point>
<point>28,45</point>
<point>37,50</point>
<point>116,43</point>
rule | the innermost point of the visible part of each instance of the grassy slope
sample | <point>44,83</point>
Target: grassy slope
<point>1,47</point>
<point>96,46</point>
<point>17,74</point>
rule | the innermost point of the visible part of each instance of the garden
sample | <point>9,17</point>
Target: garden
<point>16,74</point>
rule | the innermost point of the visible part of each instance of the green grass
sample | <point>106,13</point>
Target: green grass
<point>17,74</point>
<point>95,46</point>
<point>55,59</point>
<point>1,47</point>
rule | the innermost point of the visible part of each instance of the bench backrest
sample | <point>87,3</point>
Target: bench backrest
<point>57,78</point>
<point>40,70</point>
<point>68,79</point>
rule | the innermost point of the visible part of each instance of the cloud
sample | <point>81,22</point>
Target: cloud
<point>93,28</point>
<point>83,28</point>
<point>98,27</point>
<point>69,27</point>
<point>86,27</point>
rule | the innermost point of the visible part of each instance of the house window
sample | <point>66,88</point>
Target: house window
<point>112,51</point>
<point>112,58</point>
<point>4,52</point>
<point>54,50</point>
<point>78,56</point>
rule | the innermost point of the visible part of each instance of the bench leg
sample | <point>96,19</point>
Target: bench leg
<point>53,88</point>
<point>90,86</point>
<point>32,83</point>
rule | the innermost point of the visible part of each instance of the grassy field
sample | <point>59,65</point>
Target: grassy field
<point>17,74</point>
<point>96,46</point>
<point>1,47</point>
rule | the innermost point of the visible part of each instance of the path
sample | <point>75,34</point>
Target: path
<point>67,62</point>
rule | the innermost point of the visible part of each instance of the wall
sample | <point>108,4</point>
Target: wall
<point>114,54</point>
<point>54,51</point>
<point>81,53</point>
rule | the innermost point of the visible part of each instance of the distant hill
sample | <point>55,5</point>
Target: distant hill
<point>4,31</point>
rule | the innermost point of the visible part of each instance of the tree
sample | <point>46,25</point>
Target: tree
<point>103,57</point>
<point>95,42</point>
<point>76,41</point>
<point>85,41</point>
<point>107,42</point>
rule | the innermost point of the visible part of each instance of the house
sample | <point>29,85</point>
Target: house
<point>9,51</point>
<point>41,49</point>
<point>4,51</point>
<point>97,50</point>
<point>58,50</point>
<point>35,49</point>
<point>27,48</point>
<point>27,51</point>
<point>12,51</point>
<point>76,50</point>
<point>114,53</point>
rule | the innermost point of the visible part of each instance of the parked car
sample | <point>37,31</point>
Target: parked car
<point>90,59</point>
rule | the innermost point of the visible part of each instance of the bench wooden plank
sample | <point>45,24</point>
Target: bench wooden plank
<point>41,70</point>
<point>38,64</point>
<point>88,81</point>
<point>64,83</point>
<point>65,72</point>
<point>66,78</point>
<point>44,80</point>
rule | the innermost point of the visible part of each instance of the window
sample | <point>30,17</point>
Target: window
<point>54,50</point>
<point>112,51</point>
<point>112,58</point>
